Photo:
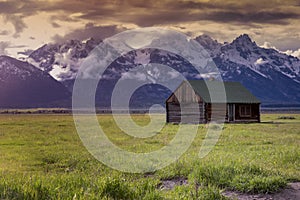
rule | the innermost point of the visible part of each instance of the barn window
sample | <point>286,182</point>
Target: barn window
<point>245,111</point>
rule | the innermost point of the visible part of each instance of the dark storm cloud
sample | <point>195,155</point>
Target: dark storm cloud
<point>17,22</point>
<point>172,17</point>
<point>151,13</point>
<point>4,32</point>
<point>144,13</point>
<point>14,11</point>
<point>90,31</point>
<point>55,25</point>
<point>8,7</point>
<point>3,47</point>
<point>147,13</point>
<point>252,17</point>
<point>23,8</point>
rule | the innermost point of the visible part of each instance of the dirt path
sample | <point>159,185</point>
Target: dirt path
<point>292,192</point>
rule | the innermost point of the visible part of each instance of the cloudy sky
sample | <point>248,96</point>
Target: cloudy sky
<point>29,24</point>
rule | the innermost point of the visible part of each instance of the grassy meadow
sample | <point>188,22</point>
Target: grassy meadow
<point>42,157</point>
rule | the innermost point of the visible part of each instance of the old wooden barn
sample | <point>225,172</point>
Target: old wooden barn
<point>199,101</point>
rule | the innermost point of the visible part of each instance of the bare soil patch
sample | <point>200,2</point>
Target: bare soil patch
<point>169,184</point>
<point>291,192</point>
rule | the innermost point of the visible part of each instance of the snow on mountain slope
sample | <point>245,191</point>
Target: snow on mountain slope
<point>246,53</point>
<point>62,60</point>
<point>269,74</point>
<point>212,46</point>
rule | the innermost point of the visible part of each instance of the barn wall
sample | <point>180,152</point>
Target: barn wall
<point>216,112</point>
<point>184,94</point>
<point>253,117</point>
<point>205,112</point>
<point>184,106</point>
<point>185,113</point>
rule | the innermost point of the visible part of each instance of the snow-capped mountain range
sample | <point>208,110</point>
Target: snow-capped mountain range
<point>272,76</point>
<point>244,52</point>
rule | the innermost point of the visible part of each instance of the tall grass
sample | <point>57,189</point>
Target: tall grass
<point>248,178</point>
<point>42,157</point>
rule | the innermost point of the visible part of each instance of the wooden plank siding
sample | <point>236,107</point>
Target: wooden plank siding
<point>185,113</point>
<point>184,93</point>
<point>254,113</point>
<point>205,112</point>
<point>186,106</point>
<point>220,112</point>
<point>216,112</point>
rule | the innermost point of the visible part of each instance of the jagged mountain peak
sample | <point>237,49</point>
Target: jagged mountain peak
<point>61,55</point>
<point>240,60</point>
<point>205,37</point>
<point>206,40</point>
<point>243,39</point>
<point>211,45</point>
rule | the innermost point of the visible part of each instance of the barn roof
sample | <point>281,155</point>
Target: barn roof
<point>212,91</point>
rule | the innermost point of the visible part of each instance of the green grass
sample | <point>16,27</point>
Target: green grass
<point>42,157</point>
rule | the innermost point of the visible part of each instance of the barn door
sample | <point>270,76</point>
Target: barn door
<point>231,112</point>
